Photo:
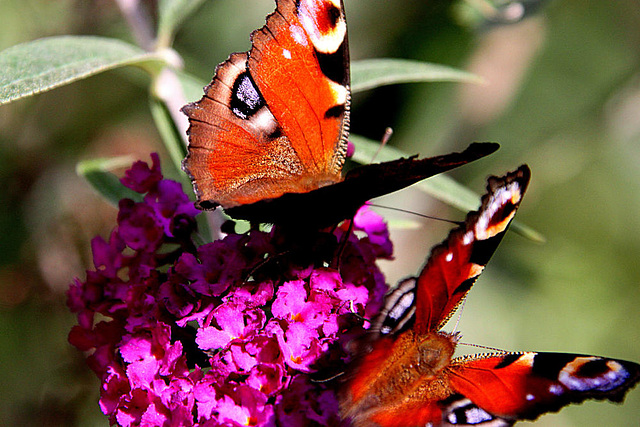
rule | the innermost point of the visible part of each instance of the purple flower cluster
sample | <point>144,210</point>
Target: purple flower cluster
<point>242,331</point>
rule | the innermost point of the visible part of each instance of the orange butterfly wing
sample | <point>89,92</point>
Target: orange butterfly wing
<point>515,386</point>
<point>454,266</point>
<point>300,62</point>
<point>267,142</point>
<point>272,122</point>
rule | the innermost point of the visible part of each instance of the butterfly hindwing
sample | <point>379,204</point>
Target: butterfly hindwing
<point>224,138</point>
<point>525,385</point>
<point>459,411</point>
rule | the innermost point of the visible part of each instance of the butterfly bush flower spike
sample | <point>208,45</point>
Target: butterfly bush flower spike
<point>227,333</point>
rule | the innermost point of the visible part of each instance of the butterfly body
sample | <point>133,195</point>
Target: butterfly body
<point>405,373</point>
<point>401,374</point>
<point>268,140</point>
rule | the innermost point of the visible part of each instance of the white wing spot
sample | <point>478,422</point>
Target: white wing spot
<point>467,238</point>
<point>286,53</point>
<point>502,196</point>
<point>555,389</point>
<point>340,93</point>
<point>449,257</point>
<point>477,415</point>
<point>614,377</point>
<point>298,34</point>
<point>401,307</point>
<point>325,40</point>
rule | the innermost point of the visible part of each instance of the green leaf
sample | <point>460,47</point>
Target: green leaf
<point>44,64</point>
<point>171,14</point>
<point>528,232</point>
<point>372,73</point>
<point>108,185</point>
<point>168,132</point>
<point>441,187</point>
<point>192,86</point>
<point>403,224</point>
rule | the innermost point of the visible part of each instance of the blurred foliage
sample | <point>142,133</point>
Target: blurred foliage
<point>561,93</point>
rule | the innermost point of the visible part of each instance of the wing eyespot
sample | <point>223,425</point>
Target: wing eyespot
<point>246,99</point>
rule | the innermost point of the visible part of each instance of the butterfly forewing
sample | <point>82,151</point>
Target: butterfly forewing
<point>273,120</point>
<point>300,62</point>
<point>455,265</point>
<point>331,204</point>
<point>526,385</point>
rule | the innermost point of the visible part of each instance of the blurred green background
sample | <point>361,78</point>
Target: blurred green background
<point>562,94</point>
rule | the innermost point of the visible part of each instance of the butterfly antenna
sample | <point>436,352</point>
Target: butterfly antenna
<point>388,132</point>
<point>258,266</point>
<point>342,245</point>
<point>455,327</point>
<point>354,313</point>
<point>324,380</point>
<point>484,347</point>
<point>450,221</point>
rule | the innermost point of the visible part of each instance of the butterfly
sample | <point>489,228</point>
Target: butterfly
<point>406,374</point>
<point>268,140</point>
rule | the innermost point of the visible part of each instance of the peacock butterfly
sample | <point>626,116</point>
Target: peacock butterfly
<point>268,140</point>
<point>406,374</point>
